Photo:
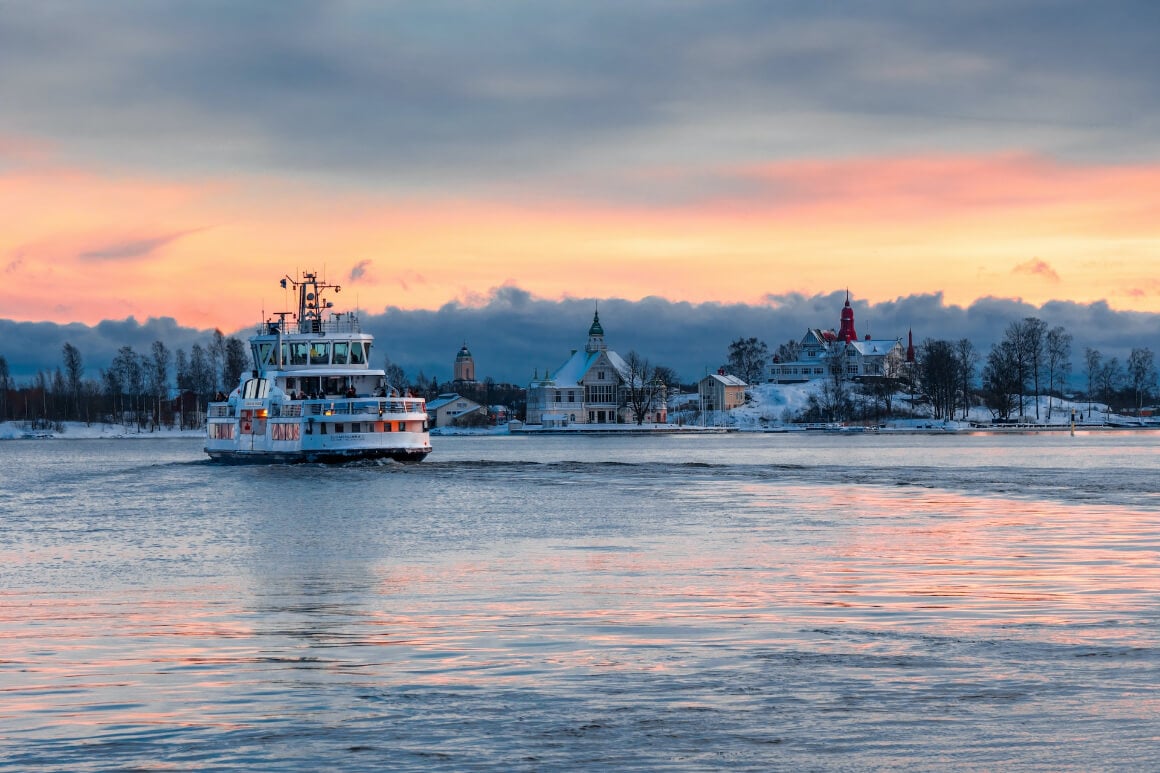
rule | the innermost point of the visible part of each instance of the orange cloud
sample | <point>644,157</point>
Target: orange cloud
<point>1037,267</point>
<point>209,252</point>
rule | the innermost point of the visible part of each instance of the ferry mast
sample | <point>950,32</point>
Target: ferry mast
<point>310,301</point>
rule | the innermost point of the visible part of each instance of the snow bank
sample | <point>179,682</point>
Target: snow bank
<point>14,430</point>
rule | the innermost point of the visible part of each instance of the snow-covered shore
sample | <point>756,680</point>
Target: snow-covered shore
<point>78,430</point>
<point>771,408</point>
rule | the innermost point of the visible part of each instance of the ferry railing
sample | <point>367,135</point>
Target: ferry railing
<point>326,407</point>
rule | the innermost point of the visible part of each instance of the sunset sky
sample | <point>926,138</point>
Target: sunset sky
<point>176,159</point>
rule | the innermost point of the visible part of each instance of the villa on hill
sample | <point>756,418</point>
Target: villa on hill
<point>820,350</point>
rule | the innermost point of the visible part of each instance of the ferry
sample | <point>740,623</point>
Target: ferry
<point>313,396</point>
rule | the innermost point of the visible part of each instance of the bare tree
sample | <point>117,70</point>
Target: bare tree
<point>747,358</point>
<point>1110,377</point>
<point>158,377</point>
<point>5,376</point>
<point>236,362</point>
<point>966,362</point>
<point>1093,361</point>
<point>1058,362</point>
<point>1141,374</point>
<point>201,375</point>
<point>114,393</point>
<point>74,368</point>
<point>216,354</point>
<point>938,369</point>
<point>641,388</point>
<point>833,399</point>
<point>395,376</point>
<point>789,351</point>
<point>1002,380</point>
<point>1022,354</point>
<point>1026,339</point>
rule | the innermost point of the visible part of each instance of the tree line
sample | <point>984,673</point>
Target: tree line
<point>135,390</point>
<point>949,378</point>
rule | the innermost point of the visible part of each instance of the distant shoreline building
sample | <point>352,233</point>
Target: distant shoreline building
<point>463,371</point>
<point>821,350</point>
<point>720,392</point>
<point>447,408</point>
<point>589,388</point>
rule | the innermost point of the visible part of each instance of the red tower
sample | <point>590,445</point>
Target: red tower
<point>846,332</point>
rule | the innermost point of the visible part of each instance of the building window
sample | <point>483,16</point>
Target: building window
<point>600,393</point>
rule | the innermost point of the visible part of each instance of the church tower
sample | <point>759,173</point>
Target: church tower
<point>464,366</point>
<point>595,335</point>
<point>847,333</point>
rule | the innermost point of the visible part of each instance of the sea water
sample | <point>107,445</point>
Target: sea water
<point>740,602</point>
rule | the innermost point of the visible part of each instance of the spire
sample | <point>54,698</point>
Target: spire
<point>910,346</point>
<point>595,335</point>
<point>596,329</point>
<point>847,333</point>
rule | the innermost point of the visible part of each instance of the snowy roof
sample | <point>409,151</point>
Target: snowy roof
<point>571,372</point>
<point>727,379</point>
<point>815,335</point>
<point>443,400</point>
<point>876,346</point>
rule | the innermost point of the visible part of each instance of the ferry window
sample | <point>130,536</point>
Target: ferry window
<point>340,355</point>
<point>357,353</point>
<point>319,352</point>
<point>284,432</point>
<point>299,353</point>
<point>285,353</point>
<point>339,427</point>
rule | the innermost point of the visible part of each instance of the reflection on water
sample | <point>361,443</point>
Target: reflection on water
<point>585,603</point>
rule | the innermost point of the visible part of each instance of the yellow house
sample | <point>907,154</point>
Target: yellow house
<point>721,392</point>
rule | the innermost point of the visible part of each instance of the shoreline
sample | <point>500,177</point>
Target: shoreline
<point>11,432</point>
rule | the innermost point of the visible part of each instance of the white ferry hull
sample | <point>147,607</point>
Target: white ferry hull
<point>331,456</point>
<point>336,430</point>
